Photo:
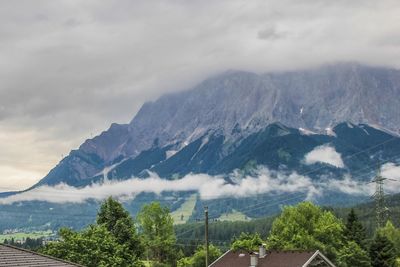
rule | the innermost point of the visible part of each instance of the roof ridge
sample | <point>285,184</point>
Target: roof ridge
<point>40,254</point>
<point>292,251</point>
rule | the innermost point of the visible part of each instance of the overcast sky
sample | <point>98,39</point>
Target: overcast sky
<point>68,69</point>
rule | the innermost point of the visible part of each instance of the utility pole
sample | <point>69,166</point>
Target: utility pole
<point>206,233</point>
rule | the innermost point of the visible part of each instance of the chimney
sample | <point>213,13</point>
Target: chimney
<point>253,260</point>
<point>262,252</point>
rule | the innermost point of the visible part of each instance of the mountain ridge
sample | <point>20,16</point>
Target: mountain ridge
<point>276,146</point>
<point>237,104</point>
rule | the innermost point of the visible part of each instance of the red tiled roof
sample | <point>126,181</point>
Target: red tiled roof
<point>272,259</point>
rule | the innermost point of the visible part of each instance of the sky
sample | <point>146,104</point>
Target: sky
<point>69,68</point>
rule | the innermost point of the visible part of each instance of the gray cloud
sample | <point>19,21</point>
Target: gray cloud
<point>270,33</point>
<point>71,68</point>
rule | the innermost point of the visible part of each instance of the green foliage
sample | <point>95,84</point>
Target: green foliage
<point>393,234</point>
<point>159,264</point>
<point>382,252</point>
<point>353,255</point>
<point>93,247</point>
<point>198,259</point>
<point>158,232</point>
<point>222,233</point>
<point>113,241</point>
<point>118,222</point>
<point>308,227</point>
<point>110,212</point>
<point>247,242</point>
<point>354,230</point>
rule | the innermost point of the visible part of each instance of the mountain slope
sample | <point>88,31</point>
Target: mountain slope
<point>362,149</point>
<point>235,105</point>
<point>281,149</point>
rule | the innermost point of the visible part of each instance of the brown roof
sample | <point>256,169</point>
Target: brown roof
<point>12,256</point>
<point>272,259</point>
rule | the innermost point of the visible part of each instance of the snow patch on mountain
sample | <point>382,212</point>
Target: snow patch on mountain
<point>329,131</point>
<point>170,153</point>
<point>306,131</point>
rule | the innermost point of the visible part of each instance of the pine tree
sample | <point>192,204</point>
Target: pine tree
<point>382,252</point>
<point>354,230</point>
<point>117,220</point>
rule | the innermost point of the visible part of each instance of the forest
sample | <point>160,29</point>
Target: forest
<point>347,236</point>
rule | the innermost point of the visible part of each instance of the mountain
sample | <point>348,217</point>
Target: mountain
<point>283,150</point>
<point>229,108</point>
<point>325,123</point>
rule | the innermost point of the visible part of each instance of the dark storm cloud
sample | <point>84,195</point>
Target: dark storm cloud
<point>69,68</point>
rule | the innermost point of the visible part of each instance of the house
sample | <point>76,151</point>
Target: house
<point>13,256</point>
<point>265,258</point>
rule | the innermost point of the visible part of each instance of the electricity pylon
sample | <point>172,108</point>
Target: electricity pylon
<point>381,210</point>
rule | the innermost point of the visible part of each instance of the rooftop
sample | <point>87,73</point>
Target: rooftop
<point>273,259</point>
<point>12,256</point>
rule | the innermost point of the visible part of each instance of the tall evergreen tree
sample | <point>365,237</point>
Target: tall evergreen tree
<point>354,230</point>
<point>382,252</point>
<point>117,220</point>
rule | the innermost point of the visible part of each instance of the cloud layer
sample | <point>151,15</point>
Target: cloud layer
<point>210,187</point>
<point>324,154</point>
<point>71,68</point>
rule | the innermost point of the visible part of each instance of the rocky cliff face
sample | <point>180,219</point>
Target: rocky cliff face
<point>237,104</point>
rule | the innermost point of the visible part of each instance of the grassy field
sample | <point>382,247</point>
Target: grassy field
<point>234,216</point>
<point>184,212</point>
<point>21,236</point>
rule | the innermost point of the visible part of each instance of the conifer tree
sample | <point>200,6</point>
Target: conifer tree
<point>354,230</point>
<point>117,220</point>
<point>382,252</point>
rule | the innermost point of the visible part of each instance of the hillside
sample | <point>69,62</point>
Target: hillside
<point>223,232</point>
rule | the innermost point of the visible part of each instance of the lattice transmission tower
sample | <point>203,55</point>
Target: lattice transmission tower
<point>381,210</point>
